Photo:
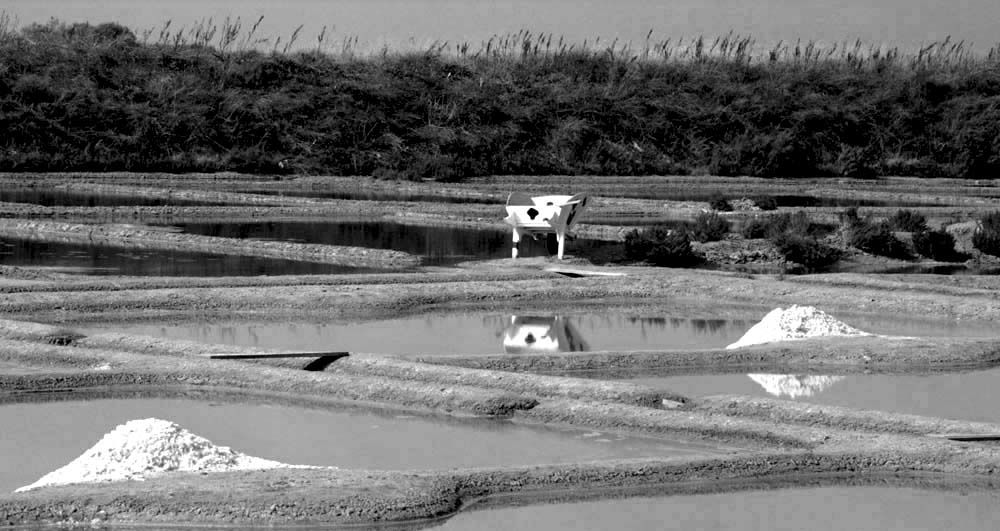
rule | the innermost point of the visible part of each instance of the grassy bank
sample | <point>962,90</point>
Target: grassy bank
<point>85,97</point>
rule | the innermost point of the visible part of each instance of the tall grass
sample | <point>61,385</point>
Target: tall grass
<point>219,95</point>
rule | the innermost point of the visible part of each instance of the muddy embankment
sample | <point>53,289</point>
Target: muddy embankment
<point>649,288</point>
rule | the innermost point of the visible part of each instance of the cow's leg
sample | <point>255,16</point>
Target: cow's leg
<point>513,246</point>
<point>561,238</point>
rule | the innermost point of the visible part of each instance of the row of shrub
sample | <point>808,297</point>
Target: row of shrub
<point>798,238</point>
<point>96,97</point>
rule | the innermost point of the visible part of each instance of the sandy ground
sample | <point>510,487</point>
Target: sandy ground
<point>774,442</point>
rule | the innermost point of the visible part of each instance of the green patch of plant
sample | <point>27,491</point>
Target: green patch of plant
<point>708,227</point>
<point>661,246</point>
<point>937,245</point>
<point>719,203</point>
<point>208,98</point>
<point>908,221</point>
<point>806,251</point>
<point>987,235</point>
<point>765,202</point>
<point>877,239</point>
<point>773,225</point>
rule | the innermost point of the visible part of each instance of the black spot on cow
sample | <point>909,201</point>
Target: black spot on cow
<point>532,213</point>
<point>529,339</point>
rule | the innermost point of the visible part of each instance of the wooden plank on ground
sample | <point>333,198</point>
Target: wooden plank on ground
<point>967,436</point>
<point>577,273</point>
<point>275,355</point>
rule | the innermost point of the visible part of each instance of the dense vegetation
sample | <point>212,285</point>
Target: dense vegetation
<point>661,245</point>
<point>937,245</point>
<point>987,235</point>
<point>96,97</point>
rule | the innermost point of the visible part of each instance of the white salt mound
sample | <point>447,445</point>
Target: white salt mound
<point>797,322</point>
<point>794,386</point>
<point>144,448</point>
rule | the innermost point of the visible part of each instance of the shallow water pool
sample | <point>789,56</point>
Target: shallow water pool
<point>483,333</point>
<point>435,245</point>
<point>105,260</point>
<point>960,395</point>
<point>814,509</point>
<point>498,333</point>
<point>41,437</point>
<point>48,197</point>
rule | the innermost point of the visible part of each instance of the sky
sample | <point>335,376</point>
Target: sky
<point>417,23</point>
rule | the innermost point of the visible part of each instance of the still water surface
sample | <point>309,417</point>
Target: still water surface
<point>466,333</point>
<point>814,509</point>
<point>436,245</point>
<point>41,437</point>
<point>45,197</point>
<point>495,333</point>
<point>103,260</point>
<point>969,395</point>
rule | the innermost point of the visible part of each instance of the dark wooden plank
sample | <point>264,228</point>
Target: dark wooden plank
<point>270,355</point>
<point>967,436</point>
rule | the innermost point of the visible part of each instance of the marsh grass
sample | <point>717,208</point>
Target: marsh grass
<point>219,95</point>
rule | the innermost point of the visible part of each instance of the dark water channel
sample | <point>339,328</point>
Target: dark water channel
<point>49,198</point>
<point>436,245</point>
<point>104,260</point>
<point>41,437</point>
<point>814,509</point>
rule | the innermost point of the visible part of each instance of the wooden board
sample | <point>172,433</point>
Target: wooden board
<point>967,436</point>
<point>275,355</point>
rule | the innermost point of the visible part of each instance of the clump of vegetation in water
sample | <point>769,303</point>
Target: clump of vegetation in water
<point>905,220</point>
<point>796,238</point>
<point>937,245</point>
<point>987,235</point>
<point>877,238</point>
<point>806,251</point>
<point>221,97</point>
<point>719,203</point>
<point>708,227</point>
<point>662,246</point>
<point>765,202</point>
<point>776,224</point>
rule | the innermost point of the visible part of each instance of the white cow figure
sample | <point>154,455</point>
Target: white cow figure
<point>544,214</point>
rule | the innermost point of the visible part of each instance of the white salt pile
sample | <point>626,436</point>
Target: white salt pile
<point>794,386</point>
<point>797,322</point>
<point>144,448</point>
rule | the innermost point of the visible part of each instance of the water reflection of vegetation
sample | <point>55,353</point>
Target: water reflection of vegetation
<point>702,326</point>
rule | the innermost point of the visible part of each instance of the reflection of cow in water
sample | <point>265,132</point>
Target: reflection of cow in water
<point>525,335</point>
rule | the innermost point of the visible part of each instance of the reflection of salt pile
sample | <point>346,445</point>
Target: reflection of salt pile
<point>794,386</point>
<point>797,322</point>
<point>148,447</point>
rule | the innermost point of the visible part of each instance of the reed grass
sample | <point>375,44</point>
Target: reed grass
<point>220,95</point>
